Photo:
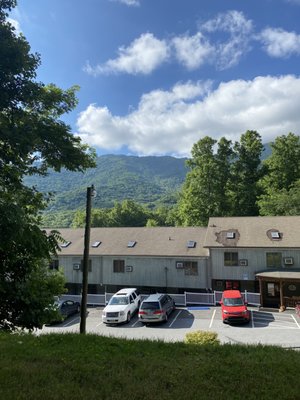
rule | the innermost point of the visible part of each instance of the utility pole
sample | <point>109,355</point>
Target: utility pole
<point>85,267</point>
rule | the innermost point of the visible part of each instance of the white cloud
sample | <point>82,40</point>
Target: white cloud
<point>172,121</point>
<point>129,2</point>
<point>141,57</point>
<point>15,24</point>
<point>293,2</point>
<point>147,52</point>
<point>280,43</point>
<point>228,53</point>
<point>192,51</point>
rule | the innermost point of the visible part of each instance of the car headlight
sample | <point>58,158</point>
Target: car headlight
<point>103,314</point>
<point>122,313</point>
<point>245,312</point>
<point>225,312</point>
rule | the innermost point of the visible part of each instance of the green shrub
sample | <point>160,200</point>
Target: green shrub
<point>202,337</point>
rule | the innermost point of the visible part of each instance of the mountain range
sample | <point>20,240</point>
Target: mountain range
<point>150,181</point>
<point>146,180</point>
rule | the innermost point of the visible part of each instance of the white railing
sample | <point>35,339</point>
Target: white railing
<point>180,299</point>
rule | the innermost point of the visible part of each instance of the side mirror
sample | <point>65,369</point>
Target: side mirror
<point>220,302</point>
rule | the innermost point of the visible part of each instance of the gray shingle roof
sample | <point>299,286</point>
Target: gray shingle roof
<point>254,232</point>
<point>156,241</point>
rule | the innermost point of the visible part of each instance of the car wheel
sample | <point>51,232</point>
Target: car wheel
<point>128,317</point>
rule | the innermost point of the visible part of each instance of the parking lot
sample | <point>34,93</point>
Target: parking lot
<point>265,327</point>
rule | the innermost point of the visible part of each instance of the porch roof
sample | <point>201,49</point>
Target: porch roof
<point>280,275</point>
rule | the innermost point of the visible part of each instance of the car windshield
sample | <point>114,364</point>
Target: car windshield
<point>238,301</point>
<point>150,305</point>
<point>119,301</point>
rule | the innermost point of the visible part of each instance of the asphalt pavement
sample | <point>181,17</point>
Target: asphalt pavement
<point>265,327</point>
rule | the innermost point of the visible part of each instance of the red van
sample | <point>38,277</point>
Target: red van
<point>234,308</point>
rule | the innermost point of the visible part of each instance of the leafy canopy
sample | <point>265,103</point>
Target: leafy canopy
<point>32,139</point>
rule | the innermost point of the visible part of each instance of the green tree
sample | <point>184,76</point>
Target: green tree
<point>281,202</point>
<point>32,139</point>
<point>280,185</point>
<point>246,172</point>
<point>203,194</point>
<point>128,213</point>
<point>283,166</point>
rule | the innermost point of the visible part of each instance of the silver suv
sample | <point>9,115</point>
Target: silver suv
<point>156,307</point>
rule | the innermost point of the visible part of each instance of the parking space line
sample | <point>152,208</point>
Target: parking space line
<point>295,321</point>
<point>71,322</point>
<point>212,318</point>
<point>100,323</point>
<point>175,319</point>
<point>136,322</point>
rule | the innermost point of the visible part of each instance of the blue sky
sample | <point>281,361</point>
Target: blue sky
<point>157,75</point>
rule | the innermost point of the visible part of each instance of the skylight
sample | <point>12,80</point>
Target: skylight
<point>230,235</point>
<point>65,244</point>
<point>191,244</point>
<point>131,243</point>
<point>96,244</point>
<point>275,235</point>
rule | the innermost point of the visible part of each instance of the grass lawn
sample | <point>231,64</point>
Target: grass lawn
<point>73,366</point>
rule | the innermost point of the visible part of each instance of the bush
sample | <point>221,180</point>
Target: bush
<point>202,337</point>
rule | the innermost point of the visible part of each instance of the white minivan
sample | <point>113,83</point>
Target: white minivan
<point>121,306</point>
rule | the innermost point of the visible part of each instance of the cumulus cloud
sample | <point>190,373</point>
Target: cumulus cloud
<point>192,51</point>
<point>280,43</point>
<point>172,121</point>
<point>147,53</point>
<point>239,30</point>
<point>142,56</point>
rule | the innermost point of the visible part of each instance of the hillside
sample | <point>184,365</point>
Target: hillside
<point>146,180</point>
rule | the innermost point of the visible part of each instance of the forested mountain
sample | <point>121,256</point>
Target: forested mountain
<point>146,180</point>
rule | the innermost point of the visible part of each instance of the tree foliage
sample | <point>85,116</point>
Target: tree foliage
<point>221,182</point>
<point>125,214</point>
<point>280,184</point>
<point>32,139</point>
<point>246,170</point>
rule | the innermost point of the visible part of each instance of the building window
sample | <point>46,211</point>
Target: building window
<point>274,260</point>
<point>54,264</point>
<point>90,266</point>
<point>232,285</point>
<point>119,266</point>
<point>231,259</point>
<point>190,268</point>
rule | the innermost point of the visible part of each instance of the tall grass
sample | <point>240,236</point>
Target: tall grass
<point>73,366</point>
